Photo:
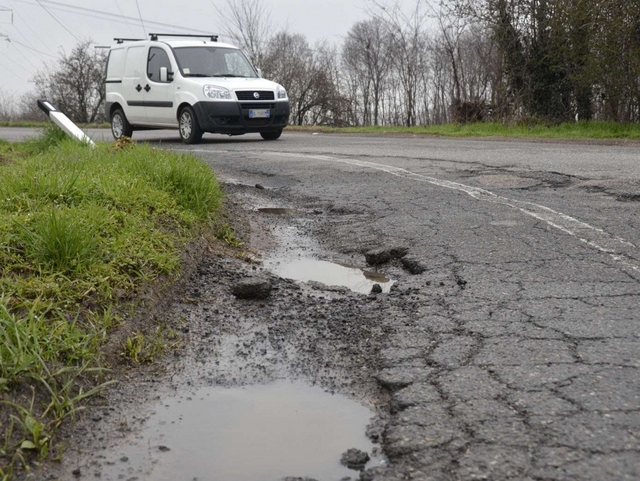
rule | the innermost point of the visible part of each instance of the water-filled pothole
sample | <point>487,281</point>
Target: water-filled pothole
<point>279,211</point>
<point>257,433</point>
<point>329,273</point>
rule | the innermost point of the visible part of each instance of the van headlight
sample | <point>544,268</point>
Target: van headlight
<point>282,93</point>
<point>215,92</point>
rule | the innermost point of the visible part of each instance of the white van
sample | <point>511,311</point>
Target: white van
<point>196,86</point>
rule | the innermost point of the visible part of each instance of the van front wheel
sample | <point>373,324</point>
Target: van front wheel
<point>190,131</point>
<point>271,135</point>
<point>120,126</point>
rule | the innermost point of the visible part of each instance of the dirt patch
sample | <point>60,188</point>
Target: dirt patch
<point>311,333</point>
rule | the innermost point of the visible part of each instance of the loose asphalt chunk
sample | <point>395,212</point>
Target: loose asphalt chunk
<point>413,265</point>
<point>252,288</point>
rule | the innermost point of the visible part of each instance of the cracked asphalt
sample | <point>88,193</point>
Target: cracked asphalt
<point>531,370</point>
<point>516,354</point>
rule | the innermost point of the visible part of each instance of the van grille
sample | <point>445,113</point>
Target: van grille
<point>248,95</point>
<point>265,105</point>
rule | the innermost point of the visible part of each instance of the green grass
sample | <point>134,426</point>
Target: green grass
<point>80,230</point>
<point>573,130</point>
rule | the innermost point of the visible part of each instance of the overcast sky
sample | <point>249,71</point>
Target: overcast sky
<point>38,36</point>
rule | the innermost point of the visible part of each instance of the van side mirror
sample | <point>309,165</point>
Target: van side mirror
<point>259,72</point>
<point>165,75</point>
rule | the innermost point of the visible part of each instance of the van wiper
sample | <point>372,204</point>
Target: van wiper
<point>200,75</point>
<point>227,75</point>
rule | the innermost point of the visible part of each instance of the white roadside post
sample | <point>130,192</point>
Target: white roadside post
<point>62,121</point>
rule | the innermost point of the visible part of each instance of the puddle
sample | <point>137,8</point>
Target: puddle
<point>329,273</point>
<point>278,211</point>
<point>257,433</point>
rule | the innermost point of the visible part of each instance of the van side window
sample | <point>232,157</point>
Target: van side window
<point>158,58</point>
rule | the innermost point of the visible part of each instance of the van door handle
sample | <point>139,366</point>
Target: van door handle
<point>147,88</point>
<point>138,88</point>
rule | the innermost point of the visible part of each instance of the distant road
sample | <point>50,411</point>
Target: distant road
<point>16,134</point>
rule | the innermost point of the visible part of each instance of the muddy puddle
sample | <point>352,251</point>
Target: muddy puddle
<point>256,433</point>
<point>296,260</point>
<point>329,273</point>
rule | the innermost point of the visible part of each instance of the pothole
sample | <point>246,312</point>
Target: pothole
<point>279,211</point>
<point>506,181</point>
<point>332,274</point>
<point>254,433</point>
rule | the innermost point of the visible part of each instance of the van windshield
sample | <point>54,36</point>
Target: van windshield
<point>213,62</point>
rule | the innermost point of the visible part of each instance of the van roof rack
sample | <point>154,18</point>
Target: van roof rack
<point>122,40</point>
<point>154,36</point>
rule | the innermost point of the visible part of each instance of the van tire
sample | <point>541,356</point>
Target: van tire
<point>120,126</point>
<point>271,135</point>
<point>190,130</point>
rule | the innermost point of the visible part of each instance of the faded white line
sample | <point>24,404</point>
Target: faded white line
<point>592,236</point>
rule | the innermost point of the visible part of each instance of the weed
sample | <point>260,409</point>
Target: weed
<point>60,240</point>
<point>228,234</point>
<point>50,136</point>
<point>36,437</point>
<point>141,349</point>
<point>122,143</point>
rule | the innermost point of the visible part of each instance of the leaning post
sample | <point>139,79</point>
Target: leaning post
<point>62,121</point>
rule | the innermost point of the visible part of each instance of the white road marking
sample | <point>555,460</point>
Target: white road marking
<point>594,237</point>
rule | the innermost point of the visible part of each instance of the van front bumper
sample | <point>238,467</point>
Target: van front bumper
<point>233,117</point>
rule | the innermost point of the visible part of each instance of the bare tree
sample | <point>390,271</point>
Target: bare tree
<point>367,56</point>
<point>409,45</point>
<point>248,23</point>
<point>75,84</point>
<point>305,72</point>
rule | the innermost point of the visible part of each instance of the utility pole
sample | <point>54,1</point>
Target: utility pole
<point>4,12</point>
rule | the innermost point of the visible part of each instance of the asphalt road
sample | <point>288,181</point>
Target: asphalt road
<point>528,369</point>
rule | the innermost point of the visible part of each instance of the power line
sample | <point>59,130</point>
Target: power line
<point>89,12</point>
<point>13,40</point>
<point>24,56</point>
<point>28,43</point>
<point>28,25</point>
<point>19,77</point>
<point>61,24</point>
<point>122,15</point>
<point>141,21</point>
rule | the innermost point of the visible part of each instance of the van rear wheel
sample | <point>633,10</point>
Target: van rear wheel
<point>120,126</point>
<point>271,135</point>
<point>190,131</point>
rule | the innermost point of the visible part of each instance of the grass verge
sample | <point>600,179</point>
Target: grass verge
<point>570,130</point>
<point>80,230</point>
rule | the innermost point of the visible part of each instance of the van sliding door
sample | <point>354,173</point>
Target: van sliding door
<point>159,98</point>
<point>133,82</point>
